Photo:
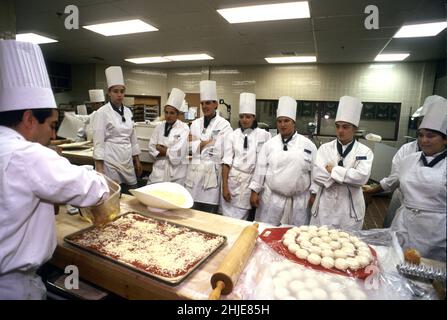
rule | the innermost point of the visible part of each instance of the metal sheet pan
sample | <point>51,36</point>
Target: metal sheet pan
<point>170,281</point>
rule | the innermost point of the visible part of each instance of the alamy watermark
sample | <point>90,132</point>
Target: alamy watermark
<point>72,280</point>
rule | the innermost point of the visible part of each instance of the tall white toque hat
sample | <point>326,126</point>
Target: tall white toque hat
<point>208,90</point>
<point>24,81</point>
<point>349,110</point>
<point>247,103</point>
<point>429,101</point>
<point>96,95</point>
<point>114,77</point>
<point>176,98</point>
<point>287,108</point>
<point>436,117</point>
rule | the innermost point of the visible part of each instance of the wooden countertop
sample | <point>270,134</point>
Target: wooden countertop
<point>133,285</point>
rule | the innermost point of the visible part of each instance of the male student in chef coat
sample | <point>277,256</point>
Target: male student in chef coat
<point>96,101</point>
<point>282,180</point>
<point>342,167</point>
<point>391,182</point>
<point>169,143</point>
<point>207,145</point>
<point>32,176</point>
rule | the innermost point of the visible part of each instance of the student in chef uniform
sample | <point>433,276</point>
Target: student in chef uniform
<point>283,175</point>
<point>116,147</point>
<point>96,101</point>
<point>391,182</point>
<point>169,144</point>
<point>420,222</point>
<point>241,151</point>
<point>342,167</point>
<point>32,176</point>
<point>207,137</point>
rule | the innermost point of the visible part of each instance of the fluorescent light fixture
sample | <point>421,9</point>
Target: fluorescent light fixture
<point>148,60</point>
<point>268,12</point>
<point>421,30</point>
<point>381,66</point>
<point>302,59</point>
<point>190,57</point>
<point>121,27</point>
<point>391,57</point>
<point>34,38</point>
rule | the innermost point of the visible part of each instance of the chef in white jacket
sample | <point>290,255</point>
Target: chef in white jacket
<point>96,101</point>
<point>241,152</point>
<point>391,182</point>
<point>32,176</point>
<point>420,222</point>
<point>207,137</point>
<point>282,180</point>
<point>116,147</point>
<point>169,143</point>
<point>342,167</point>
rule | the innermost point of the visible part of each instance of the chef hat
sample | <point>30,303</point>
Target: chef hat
<point>96,95</point>
<point>247,103</point>
<point>184,107</point>
<point>24,81</point>
<point>114,77</point>
<point>428,103</point>
<point>208,91</point>
<point>436,117</point>
<point>176,98</point>
<point>287,108</point>
<point>349,110</point>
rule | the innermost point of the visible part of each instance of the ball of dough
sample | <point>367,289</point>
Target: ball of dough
<point>313,233</point>
<point>280,282</point>
<point>342,234</point>
<point>293,247</point>
<point>357,294</point>
<point>291,232</point>
<point>365,253</point>
<point>287,242</point>
<point>313,228</point>
<point>340,254</point>
<point>361,244</point>
<point>316,240</point>
<point>323,233</point>
<point>352,263</point>
<point>304,295</point>
<point>341,264</point>
<point>311,283</point>
<point>334,286</point>
<point>305,244</point>
<point>283,274</point>
<point>335,245</point>
<point>348,245</point>
<point>303,228</point>
<point>334,236</point>
<point>354,239</point>
<point>338,295</point>
<point>281,293</point>
<point>327,262</point>
<point>319,294</point>
<point>333,231</point>
<point>342,240</point>
<point>303,237</point>
<point>327,253</point>
<point>362,261</point>
<point>325,246</point>
<point>295,229</point>
<point>326,239</point>
<point>295,274</point>
<point>316,250</point>
<point>296,286</point>
<point>302,253</point>
<point>314,259</point>
<point>349,252</point>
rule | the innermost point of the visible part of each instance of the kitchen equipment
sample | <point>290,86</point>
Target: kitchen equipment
<point>226,276</point>
<point>421,271</point>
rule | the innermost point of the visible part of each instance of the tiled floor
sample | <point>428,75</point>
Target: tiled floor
<point>375,212</point>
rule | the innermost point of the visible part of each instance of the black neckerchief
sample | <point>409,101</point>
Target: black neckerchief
<point>343,154</point>
<point>168,128</point>
<point>437,159</point>
<point>206,122</point>
<point>119,110</point>
<point>285,142</point>
<point>253,127</point>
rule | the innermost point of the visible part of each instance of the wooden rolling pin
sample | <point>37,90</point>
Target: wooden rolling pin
<point>225,278</point>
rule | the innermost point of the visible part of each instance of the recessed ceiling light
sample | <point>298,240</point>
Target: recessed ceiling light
<point>302,59</point>
<point>421,30</point>
<point>121,27</point>
<point>190,57</point>
<point>268,12</point>
<point>381,66</point>
<point>34,38</point>
<point>148,60</point>
<point>391,57</point>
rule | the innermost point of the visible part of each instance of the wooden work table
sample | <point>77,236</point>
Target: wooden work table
<point>133,285</point>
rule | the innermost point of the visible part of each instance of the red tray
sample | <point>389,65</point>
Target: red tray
<point>273,238</point>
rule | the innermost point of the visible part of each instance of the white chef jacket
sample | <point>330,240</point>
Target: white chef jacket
<point>339,202</point>
<point>86,132</point>
<point>205,170</point>
<point>242,163</point>
<point>420,222</point>
<point>115,143</point>
<point>32,178</point>
<point>285,179</point>
<point>172,167</point>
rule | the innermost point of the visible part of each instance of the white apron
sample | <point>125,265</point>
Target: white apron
<point>22,286</point>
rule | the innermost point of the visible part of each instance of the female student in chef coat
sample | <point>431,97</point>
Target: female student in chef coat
<point>207,137</point>
<point>116,147</point>
<point>283,175</point>
<point>241,151</point>
<point>32,176</point>
<point>391,182</point>
<point>420,222</point>
<point>342,167</point>
<point>169,143</point>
